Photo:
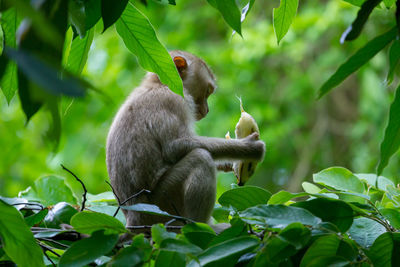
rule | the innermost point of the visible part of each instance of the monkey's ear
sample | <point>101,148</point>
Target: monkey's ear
<point>180,63</point>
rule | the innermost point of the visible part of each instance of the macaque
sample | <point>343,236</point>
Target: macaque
<point>152,145</point>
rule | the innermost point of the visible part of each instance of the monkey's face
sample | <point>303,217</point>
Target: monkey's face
<point>198,80</point>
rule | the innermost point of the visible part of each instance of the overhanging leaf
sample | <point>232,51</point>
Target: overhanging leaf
<point>230,12</point>
<point>355,28</point>
<point>283,17</point>
<point>140,38</point>
<point>79,53</point>
<point>391,141</point>
<point>17,239</point>
<point>394,58</point>
<point>357,60</point>
<point>9,82</point>
<point>111,11</point>
<point>88,222</point>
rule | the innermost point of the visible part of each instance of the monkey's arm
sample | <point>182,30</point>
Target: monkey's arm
<point>238,149</point>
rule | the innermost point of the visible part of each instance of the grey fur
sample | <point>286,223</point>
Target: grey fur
<point>151,145</point>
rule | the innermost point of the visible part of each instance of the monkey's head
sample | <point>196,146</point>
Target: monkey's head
<point>198,80</point>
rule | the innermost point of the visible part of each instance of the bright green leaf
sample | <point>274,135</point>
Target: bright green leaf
<point>278,216</point>
<point>389,3</point>
<point>310,188</point>
<point>340,179</point>
<point>283,196</point>
<point>244,197</point>
<point>159,233</point>
<point>9,82</point>
<point>371,180</point>
<point>385,250</point>
<point>79,53</point>
<point>88,222</point>
<point>357,60</point>
<point>393,216</point>
<point>84,251</point>
<point>17,239</point>
<point>394,58</point>
<point>140,38</point>
<point>52,189</point>
<point>391,141</point>
<point>355,2</point>
<point>283,17</point>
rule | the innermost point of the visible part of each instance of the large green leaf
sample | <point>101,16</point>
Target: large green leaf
<point>244,197</point>
<point>379,182</point>
<point>77,16</point>
<point>278,216</point>
<point>181,246</point>
<point>340,179</point>
<point>323,246</point>
<point>199,234</point>
<point>283,17</point>
<point>394,58</point>
<point>357,60</point>
<point>362,16</point>
<point>92,13</point>
<point>58,214</point>
<point>85,251</point>
<point>139,37</point>
<point>230,12</point>
<point>88,222</point>
<point>79,53</point>
<point>364,231</point>
<point>111,11</point>
<point>283,196</point>
<point>340,213</point>
<point>385,250</point>
<point>51,190</point>
<point>17,239</point>
<point>167,258</point>
<point>227,253</point>
<point>134,255</point>
<point>391,141</point>
<point>9,82</point>
<point>159,233</point>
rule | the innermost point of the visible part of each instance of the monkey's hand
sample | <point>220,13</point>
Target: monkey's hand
<point>225,166</point>
<point>255,144</point>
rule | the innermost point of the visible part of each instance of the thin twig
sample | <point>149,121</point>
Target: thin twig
<point>48,248</point>
<point>53,241</point>
<point>149,227</point>
<point>83,186</point>
<point>112,189</point>
<point>169,222</point>
<point>129,198</point>
<point>48,257</point>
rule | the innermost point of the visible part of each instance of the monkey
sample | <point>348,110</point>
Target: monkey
<point>152,145</point>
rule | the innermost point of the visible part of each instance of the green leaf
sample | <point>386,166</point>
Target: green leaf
<point>237,229</point>
<point>140,38</point>
<point>283,17</point>
<point>244,197</point>
<point>77,16</point>
<point>283,196</point>
<point>87,250</point>
<point>170,259</point>
<point>45,76</point>
<point>394,58</point>
<point>230,12</point>
<point>355,2</point>
<point>180,246</point>
<point>159,233</point>
<point>220,213</point>
<point>228,252</point>
<point>79,53</point>
<point>51,190</point>
<point>391,141</point>
<point>393,216</point>
<point>364,231</point>
<point>199,234</point>
<point>58,214</point>
<point>8,81</point>
<point>388,3</point>
<point>153,210</point>
<point>109,210</point>
<point>340,213</point>
<point>134,255</point>
<point>111,11</point>
<point>296,234</point>
<point>371,180</point>
<point>385,250</point>
<point>88,222</point>
<point>357,60</point>
<point>354,30</point>
<point>36,218</point>
<point>92,13</point>
<point>323,246</point>
<point>310,188</point>
<point>278,216</point>
<point>340,179</point>
<point>17,239</point>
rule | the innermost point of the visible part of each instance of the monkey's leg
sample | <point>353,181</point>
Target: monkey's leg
<point>189,187</point>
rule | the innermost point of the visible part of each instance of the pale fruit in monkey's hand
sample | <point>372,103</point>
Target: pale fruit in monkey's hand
<point>245,126</point>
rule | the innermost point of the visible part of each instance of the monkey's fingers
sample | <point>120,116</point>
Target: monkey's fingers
<point>225,167</point>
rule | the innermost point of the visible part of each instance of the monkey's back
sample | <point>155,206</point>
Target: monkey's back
<point>144,124</point>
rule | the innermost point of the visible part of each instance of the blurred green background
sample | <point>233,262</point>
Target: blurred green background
<point>278,86</point>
